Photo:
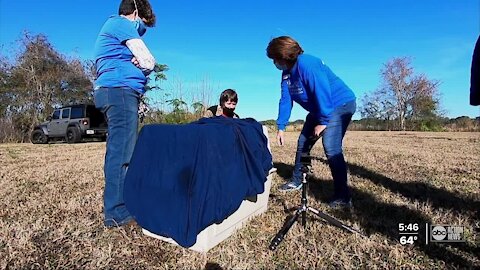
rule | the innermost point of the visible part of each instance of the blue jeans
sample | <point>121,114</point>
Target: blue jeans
<point>332,145</point>
<point>120,106</point>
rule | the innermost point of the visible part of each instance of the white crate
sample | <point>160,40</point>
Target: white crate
<point>216,233</point>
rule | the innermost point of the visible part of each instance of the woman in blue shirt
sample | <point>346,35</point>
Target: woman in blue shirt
<point>330,103</point>
<point>122,63</point>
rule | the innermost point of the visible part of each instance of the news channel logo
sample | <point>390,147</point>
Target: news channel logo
<point>447,233</point>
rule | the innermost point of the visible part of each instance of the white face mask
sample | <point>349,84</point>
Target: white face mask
<point>281,67</point>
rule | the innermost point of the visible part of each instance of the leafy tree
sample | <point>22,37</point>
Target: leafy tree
<point>158,75</point>
<point>159,72</point>
<point>39,79</point>
<point>198,108</point>
<point>269,122</point>
<point>178,105</point>
<point>5,95</point>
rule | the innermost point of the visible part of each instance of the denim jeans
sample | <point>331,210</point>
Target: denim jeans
<point>332,144</point>
<point>120,106</point>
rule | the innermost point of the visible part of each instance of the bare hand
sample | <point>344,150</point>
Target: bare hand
<point>135,62</point>
<point>280,138</point>
<point>319,129</point>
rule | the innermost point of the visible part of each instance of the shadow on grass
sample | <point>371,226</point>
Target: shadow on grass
<point>375,216</point>
<point>281,201</point>
<point>283,170</point>
<point>418,190</point>
<point>212,266</point>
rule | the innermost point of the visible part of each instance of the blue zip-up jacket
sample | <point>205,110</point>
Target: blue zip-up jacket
<point>312,85</point>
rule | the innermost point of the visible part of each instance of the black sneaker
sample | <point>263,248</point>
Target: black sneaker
<point>339,203</point>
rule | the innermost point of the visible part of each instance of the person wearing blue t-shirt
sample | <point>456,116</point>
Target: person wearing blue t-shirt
<point>330,103</point>
<point>122,63</point>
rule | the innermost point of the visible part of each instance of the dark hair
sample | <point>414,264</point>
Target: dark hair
<point>226,95</point>
<point>285,48</point>
<point>145,11</point>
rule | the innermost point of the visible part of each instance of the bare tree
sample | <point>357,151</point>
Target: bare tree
<point>379,105</point>
<point>403,95</point>
<point>200,96</point>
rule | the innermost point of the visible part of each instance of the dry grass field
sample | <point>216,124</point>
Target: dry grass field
<point>51,210</point>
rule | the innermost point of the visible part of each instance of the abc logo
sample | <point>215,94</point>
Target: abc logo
<point>439,233</point>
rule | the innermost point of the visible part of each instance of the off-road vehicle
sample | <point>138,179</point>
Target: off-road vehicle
<point>72,123</point>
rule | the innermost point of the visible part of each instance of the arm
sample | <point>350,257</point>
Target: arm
<point>142,55</point>
<point>316,81</point>
<point>284,107</point>
<point>284,111</point>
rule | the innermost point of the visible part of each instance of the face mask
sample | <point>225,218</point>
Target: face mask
<point>228,111</point>
<point>140,26</point>
<point>281,67</point>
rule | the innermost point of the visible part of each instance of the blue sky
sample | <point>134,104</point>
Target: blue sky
<point>222,43</point>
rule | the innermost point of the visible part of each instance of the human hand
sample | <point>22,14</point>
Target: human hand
<point>135,62</point>
<point>319,129</point>
<point>280,138</point>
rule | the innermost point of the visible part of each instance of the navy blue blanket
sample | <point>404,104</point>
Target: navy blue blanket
<point>183,178</point>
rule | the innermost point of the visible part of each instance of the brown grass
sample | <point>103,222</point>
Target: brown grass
<point>51,210</point>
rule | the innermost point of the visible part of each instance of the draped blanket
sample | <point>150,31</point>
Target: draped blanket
<point>183,178</point>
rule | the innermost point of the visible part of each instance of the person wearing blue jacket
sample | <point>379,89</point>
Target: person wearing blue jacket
<point>330,103</point>
<point>122,63</point>
<point>475,76</point>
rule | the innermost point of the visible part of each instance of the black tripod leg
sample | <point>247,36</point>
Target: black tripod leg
<point>283,231</point>
<point>304,219</point>
<point>334,221</point>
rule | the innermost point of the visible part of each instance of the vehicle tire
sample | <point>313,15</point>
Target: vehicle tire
<point>38,137</point>
<point>73,135</point>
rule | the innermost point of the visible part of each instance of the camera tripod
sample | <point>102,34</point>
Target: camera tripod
<point>302,209</point>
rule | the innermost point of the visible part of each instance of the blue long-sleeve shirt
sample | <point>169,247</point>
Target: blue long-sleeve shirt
<point>312,85</point>
<point>475,76</point>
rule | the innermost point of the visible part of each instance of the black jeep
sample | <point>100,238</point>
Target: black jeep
<point>72,123</point>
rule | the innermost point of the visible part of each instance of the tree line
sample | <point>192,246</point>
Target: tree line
<point>407,101</point>
<point>404,101</point>
<point>35,79</point>
<point>462,123</point>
